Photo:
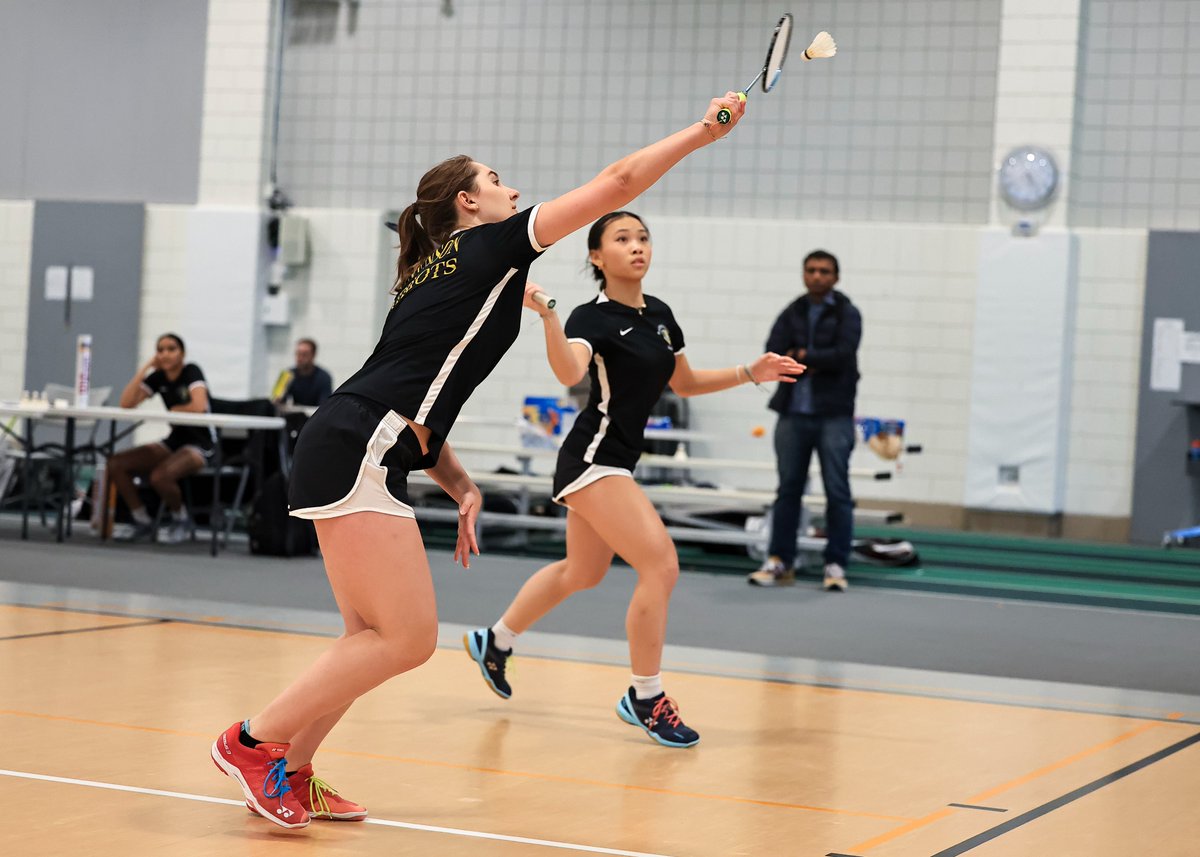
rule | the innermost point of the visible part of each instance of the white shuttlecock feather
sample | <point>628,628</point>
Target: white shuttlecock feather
<point>822,46</point>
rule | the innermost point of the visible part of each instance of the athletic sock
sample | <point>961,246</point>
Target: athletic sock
<point>140,515</point>
<point>245,737</point>
<point>180,514</point>
<point>503,636</point>
<point>647,686</point>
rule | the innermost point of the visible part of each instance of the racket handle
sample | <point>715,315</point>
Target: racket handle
<point>723,115</point>
<point>545,300</point>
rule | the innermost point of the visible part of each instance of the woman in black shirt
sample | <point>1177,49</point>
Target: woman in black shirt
<point>465,254</point>
<point>632,347</point>
<point>184,451</point>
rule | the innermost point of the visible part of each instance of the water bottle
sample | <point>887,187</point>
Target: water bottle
<point>83,369</point>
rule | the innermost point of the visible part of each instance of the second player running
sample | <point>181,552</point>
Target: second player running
<point>632,348</point>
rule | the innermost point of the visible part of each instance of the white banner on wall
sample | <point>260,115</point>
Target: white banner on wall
<point>1166,355</point>
<point>1172,347</point>
<point>1020,372</point>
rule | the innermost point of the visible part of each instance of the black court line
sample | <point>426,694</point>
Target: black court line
<point>85,630</point>
<point>1082,791</point>
<point>973,806</point>
<point>834,854</point>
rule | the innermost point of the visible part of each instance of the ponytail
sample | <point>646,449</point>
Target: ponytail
<point>429,221</point>
<point>415,243</point>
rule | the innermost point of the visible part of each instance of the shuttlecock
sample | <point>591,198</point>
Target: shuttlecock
<point>822,46</point>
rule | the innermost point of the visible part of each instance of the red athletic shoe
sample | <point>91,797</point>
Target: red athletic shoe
<point>321,800</point>
<point>260,771</point>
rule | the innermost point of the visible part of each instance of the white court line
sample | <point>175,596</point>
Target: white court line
<point>428,828</point>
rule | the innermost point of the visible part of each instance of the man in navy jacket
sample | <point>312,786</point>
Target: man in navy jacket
<point>822,330</point>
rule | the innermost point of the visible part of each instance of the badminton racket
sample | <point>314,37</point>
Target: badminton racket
<point>822,46</point>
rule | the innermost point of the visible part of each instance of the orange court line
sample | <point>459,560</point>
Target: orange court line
<point>473,768</point>
<point>1062,763</point>
<point>863,847</point>
<point>903,829</point>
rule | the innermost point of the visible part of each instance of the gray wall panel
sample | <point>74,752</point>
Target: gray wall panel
<point>1165,497</point>
<point>101,100</point>
<point>108,237</point>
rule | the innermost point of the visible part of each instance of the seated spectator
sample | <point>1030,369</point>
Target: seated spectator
<point>309,384</point>
<point>184,451</point>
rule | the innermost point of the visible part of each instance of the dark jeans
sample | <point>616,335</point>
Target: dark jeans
<point>796,436</point>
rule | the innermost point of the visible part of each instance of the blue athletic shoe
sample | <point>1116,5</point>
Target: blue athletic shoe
<point>658,717</point>
<point>481,646</point>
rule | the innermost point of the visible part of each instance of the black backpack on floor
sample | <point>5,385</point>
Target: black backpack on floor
<point>272,531</point>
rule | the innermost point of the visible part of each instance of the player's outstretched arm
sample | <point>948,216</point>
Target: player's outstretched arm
<point>687,381</point>
<point>620,183</point>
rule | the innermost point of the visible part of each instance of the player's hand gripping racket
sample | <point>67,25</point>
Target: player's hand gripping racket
<point>822,46</point>
<point>533,292</point>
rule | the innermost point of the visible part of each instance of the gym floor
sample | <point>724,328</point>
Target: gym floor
<point>902,718</point>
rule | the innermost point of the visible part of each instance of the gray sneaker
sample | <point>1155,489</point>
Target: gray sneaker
<point>176,533</point>
<point>136,533</point>
<point>772,573</point>
<point>835,578</point>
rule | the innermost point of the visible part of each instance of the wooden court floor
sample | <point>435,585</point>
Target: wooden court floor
<point>106,721</point>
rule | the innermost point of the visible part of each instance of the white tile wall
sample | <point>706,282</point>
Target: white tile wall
<point>727,275</point>
<point>727,281</point>
<point>164,290</point>
<point>1108,343</point>
<point>164,275</point>
<point>897,126</point>
<point>236,122</point>
<point>16,242</point>
<point>1137,130</point>
<point>338,298</point>
<point>1035,89</point>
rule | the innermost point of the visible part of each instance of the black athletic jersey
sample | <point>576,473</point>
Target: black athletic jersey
<point>179,392</point>
<point>451,321</point>
<point>633,358</point>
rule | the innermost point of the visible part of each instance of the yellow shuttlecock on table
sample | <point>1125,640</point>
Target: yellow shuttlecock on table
<point>822,46</point>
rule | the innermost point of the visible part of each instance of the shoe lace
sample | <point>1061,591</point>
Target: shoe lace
<point>317,789</point>
<point>503,662</point>
<point>666,709</point>
<point>276,784</point>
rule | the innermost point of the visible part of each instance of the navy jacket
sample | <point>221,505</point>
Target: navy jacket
<point>832,356</point>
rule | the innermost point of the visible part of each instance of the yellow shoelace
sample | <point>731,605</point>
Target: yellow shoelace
<point>317,788</point>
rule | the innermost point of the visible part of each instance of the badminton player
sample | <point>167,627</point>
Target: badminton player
<point>632,347</point>
<point>465,253</point>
